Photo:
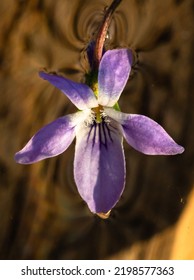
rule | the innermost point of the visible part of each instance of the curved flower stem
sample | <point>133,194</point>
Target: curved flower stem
<point>103,31</point>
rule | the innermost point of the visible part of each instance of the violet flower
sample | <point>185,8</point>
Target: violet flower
<point>99,164</point>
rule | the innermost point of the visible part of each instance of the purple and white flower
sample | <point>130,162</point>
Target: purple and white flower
<point>99,164</point>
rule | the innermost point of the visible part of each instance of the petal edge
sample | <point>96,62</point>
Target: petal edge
<point>145,135</point>
<point>79,94</point>
<point>52,140</point>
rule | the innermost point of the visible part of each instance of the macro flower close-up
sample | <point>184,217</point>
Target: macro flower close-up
<point>99,128</point>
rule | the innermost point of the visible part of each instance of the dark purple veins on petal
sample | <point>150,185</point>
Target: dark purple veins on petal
<point>102,132</point>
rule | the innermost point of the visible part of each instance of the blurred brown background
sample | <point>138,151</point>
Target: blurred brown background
<point>41,213</point>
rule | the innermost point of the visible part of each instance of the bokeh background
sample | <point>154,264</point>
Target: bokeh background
<point>41,213</point>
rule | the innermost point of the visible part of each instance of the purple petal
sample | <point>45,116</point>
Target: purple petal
<point>53,139</point>
<point>145,135</point>
<point>114,71</point>
<point>99,166</point>
<point>79,94</point>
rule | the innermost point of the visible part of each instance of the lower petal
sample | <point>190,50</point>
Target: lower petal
<point>99,166</point>
<point>145,135</point>
<point>51,140</point>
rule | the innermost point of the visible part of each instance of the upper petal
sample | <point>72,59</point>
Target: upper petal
<point>79,94</point>
<point>114,71</point>
<point>145,135</point>
<point>99,166</point>
<point>51,140</point>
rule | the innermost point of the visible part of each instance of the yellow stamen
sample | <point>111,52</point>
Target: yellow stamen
<point>98,111</point>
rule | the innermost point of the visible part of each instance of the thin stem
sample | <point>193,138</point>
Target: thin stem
<point>103,31</point>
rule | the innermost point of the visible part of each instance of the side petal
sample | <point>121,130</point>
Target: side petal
<point>114,71</point>
<point>79,94</point>
<point>99,166</point>
<point>145,135</point>
<point>53,139</point>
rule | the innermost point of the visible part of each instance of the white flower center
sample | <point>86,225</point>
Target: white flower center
<point>97,115</point>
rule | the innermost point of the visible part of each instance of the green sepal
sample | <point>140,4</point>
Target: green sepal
<point>116,107</point>
<point>92,81</point>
